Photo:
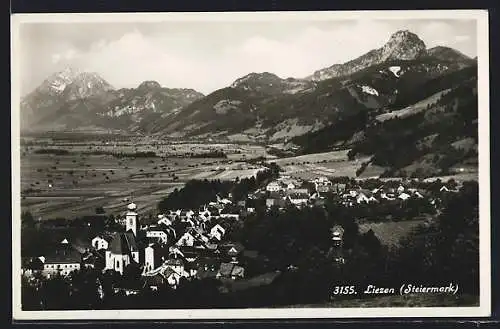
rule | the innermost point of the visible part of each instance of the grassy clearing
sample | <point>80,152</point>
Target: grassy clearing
<point>74,184</point>
<point>412,109</point>
<point>390,233</point>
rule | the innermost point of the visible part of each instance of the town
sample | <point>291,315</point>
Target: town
<point>201,238</point>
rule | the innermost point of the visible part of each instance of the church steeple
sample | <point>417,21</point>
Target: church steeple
<point>131,218</point>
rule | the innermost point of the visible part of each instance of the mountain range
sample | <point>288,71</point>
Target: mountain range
<point>344,105</point>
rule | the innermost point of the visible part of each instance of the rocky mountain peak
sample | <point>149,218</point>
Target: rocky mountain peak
<point>57,82</point>
<point>86,84</point>
<point>403,45</point>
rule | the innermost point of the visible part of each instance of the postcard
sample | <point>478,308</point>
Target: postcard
<point>250,165</point>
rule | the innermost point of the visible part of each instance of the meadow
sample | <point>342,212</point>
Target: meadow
<point>74,178</point>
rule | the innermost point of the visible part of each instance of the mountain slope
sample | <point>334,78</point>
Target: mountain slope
<point>258,106</point>
<point>72,99</point>
<point>435,135</point>
<point>59,91</point>
<point>268,113</point>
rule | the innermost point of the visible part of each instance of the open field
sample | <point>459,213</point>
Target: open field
<point>74,184</point>
<point>413,109</point>
<point>390,233</point>
<point>330,164</point>
<point>316,157</point>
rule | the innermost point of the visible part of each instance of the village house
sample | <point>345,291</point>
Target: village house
<point>217,232</point>
<point>223,201</point>
<point>298,198</point>
<point>365,196</point>
<point>154,256</point>
<point>205,214</point>
<point>62,261</point>
<point>163,220</point>
<point>339,188</point>
<point>273,187</point>
<point>162,235</point>
<point>404,196</point>
<point>102,241</point>
<point>275,199</point>
<point>322,184</point>
<point>187,239</point>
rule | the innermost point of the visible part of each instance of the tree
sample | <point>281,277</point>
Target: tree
<point>99,210</point>
<point>27,220</point>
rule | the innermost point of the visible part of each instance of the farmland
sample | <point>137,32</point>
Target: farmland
<point>74,178</point>
<point>390,233</point>
<point>330,164</point>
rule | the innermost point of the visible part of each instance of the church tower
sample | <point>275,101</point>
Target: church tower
<point>131,219</point>
<point>337,237</point>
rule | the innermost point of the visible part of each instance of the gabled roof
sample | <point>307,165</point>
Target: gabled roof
<point>123,243</point>
<point>63,255</point>
<point>174,262</point>
<point>108,236</point>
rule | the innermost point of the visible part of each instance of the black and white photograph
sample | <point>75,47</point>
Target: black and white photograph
<point>250,165</point>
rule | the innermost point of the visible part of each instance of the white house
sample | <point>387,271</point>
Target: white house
<point>404,196</point>
<point>298,199</point>
<point>217,232</point>
<point>387,196</point>
<point>205,214</point>
<point>444,189</point>
<point>273,187</point>
<point>151,260</point>
<point>187,239</point>
<point>101,241</point>
<point>223,200</point>
<point>231,216</point>
<point>157,234</point>
<point>162,220</point>
<point>63,261</point>
<point>362,198</point>
<point>173,278</point>
<point>418,194</point>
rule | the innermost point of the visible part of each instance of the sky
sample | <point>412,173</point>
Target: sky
<point>210,55</point>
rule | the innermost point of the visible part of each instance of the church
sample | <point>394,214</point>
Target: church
<point>123,249</point>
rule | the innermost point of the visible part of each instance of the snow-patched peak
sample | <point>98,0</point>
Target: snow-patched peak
<point>86,84</point>
<point>57,82</point>
<point>402,45</point>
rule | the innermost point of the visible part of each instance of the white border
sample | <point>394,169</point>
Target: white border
<point>481,16</point>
